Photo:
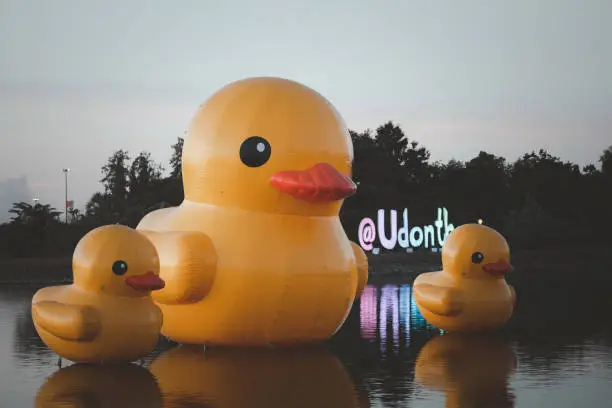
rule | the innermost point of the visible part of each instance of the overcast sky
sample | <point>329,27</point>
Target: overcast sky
<point>80,79</point>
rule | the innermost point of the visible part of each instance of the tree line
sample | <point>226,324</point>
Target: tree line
<point>536,201</point>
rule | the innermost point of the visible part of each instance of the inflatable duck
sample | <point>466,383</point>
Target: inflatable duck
<point>254,378</point>
<point>107,314</point>
<point>472,369</point>
<point>256,255</point>
<point>470,293</point>
<point>100,386</point>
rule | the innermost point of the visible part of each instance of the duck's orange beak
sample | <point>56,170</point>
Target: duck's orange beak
<point>497,269</point>
<point>148,281</point>
<point>321,183</point>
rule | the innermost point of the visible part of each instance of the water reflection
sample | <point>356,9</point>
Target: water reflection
<point>189,376</point>
<point>389,314</point>
<point>473,370</point>
<point>97,386</point>
<point>561,334</point>
<point>26,342</point>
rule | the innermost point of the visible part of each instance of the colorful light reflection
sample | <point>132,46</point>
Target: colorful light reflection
<point>397,310</point>
<point>367,313</point>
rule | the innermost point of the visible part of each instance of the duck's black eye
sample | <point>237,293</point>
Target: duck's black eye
<point>255,151</point>
<point>477,257</point>
<point>120,268</point>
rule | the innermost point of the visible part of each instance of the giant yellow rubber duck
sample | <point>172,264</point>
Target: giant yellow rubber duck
<point>254,378</point>
<point>107,314</point>
<point>256,255</point>
<point>472,369</point>
<point>470,293</point>
<point>100,386</point>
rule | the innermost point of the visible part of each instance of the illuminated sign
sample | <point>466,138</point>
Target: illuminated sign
<point>408,237</point>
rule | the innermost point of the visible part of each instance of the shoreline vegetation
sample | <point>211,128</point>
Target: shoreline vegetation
<point>591,263</point>
<point>553,213</point>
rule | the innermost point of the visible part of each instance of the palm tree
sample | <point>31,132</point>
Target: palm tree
<point>41,215</point>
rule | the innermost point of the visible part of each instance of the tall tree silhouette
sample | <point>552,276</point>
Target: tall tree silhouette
<point>143,174</point>
<point>176,162</point>
<point>110,206</point>
<point>145,188</point>
<point>487,187</point>
<point>393,142</point>
<point>115,175</point>
<point>606,162</point>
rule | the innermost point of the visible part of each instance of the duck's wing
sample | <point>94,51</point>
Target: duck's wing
<point>68,322</point>
<point>362,268</point>
<point>439,300</point>
<point>188,265</point>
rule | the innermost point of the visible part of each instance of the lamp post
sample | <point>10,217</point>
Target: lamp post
<point>66,171</point>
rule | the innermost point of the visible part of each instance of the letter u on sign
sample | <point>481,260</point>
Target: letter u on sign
<point>387,243</point>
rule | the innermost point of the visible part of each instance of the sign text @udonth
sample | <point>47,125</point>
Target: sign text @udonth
<point>387,233</point>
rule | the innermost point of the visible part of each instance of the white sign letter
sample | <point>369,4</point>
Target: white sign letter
<point>388,243</point>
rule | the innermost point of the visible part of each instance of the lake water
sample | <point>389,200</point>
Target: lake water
<point>555,352</point>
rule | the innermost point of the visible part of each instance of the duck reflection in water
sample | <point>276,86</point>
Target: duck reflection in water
<point>473,369</point>
<point>100,386</point>
<point>191,377</point>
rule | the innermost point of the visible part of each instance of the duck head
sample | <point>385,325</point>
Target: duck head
<point>475,251</point>
<point>116,260</point>
<point>268,145</point>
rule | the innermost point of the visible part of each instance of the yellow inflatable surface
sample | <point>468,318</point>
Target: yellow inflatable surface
<point>254,378</point>
<point>100,386</point>
<point>470,293</point>
<point>472,369</point>
<point>256,254</point>
<point>107,314</point>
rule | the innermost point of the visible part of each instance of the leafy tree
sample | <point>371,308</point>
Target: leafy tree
<point>116,175</point>
<point>590,170</point>
<point>40,215</point>
<point>143,173</point>
<point>393,142</point>
<point>32,228</point>
<point>606,162</point>
<point>100,210</point>
<point>176,161</point>
<point>549,180</point>
<point>144,188</point>
<point>487,186</point>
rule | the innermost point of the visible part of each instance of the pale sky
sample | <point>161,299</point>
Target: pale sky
<point>80,79</point>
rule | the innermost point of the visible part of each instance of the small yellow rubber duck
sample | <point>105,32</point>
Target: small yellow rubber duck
<point>255,378</point>
<point>256,254</point>
<point>100,386</point>
<point>470,293</point>
<point>107,314</point>
<point>471,368</point>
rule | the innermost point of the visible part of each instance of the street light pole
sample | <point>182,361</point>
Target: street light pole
<point>66,170</point>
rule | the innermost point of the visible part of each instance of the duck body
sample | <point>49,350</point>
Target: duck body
<point>279,279</point>
<point>106,315</point>
<point>99,329</point>
<point>470,293</point>
<point>472,307</point>
<point>256,254</point>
